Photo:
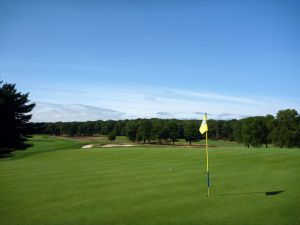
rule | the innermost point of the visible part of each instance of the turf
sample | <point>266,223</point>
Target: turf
<point>56,182</point>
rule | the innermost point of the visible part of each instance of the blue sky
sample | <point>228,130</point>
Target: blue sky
<point>171,59</point>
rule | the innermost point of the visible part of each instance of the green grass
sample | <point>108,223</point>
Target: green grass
<point>56,182</point>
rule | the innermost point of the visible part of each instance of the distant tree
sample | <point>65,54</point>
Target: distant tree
<point>38,128</point>
<point>213,130</point>
<point>269,124</point>
<point>159,130</point>
<point>252,131</point>
<point>258,131</point>
<point>119,127</point>
<point>139,134</point>
<point>131,130</point>
<point>59,125</point>
<point>228,129</point>
<point>156,127</point>
<point>163,133</point>
<point>111,136</point>
<point>53,129</point>
<point>72,129</point>
<point>107,126</point>
<point>219,129</point>
<point>191,132</point>
<point>286,128</point>
<point>69,129</point>
<point>79,131</point>
<point>144,130</point>
<point>173,131</point>
<point>181,125</point>
<point>237,131</point>
<point>98,125</point>
<point>83,128</point>
<point>246,131</point>
<point>65,129</point>
<point>91,128</point>
<point>14,119</point>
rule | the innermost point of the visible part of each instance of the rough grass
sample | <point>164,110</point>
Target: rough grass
<point>56,182</point>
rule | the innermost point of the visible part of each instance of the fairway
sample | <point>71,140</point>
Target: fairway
<point>56,182</point>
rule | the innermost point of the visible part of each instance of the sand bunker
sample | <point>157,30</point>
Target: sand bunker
<point>87,146</point>
<point>115,145</point>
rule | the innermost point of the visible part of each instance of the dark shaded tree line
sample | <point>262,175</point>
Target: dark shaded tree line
<point>282,130</point>
<point>138,130</point>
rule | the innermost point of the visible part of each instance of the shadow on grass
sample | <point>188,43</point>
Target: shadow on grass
<point>253,193</point>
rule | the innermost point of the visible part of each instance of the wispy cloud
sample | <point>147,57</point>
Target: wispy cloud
<point>164,115</point>
<point>192,95</point>
<point>49,112</point>
<point>228,116</point>
<point>111,102</point>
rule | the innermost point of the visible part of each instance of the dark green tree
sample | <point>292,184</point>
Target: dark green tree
<point>269,124</point>
<point>51,129</point>
<point>286,128</point>
<point>173,131</point>
<point>90,128</point>
<point>14,119</point>
<point>79,131</point>
<point>144,130</point>
<point>191,131</point>
<point>72,129</point>
<point>246,131</point>
<point>159,130</point>
<point>119,127</point>
<point>111,136</point>
<point>131,130</point>
<point>258,131</point>
<point>98,125</point>
<point>254,131</point>
<point>213,130</point>
<point>237,131</point>
<point>107,126</point>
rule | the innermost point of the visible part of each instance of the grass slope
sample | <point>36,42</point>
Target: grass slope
<point>135,185</point>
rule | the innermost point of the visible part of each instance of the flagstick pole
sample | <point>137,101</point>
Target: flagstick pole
<point>207,165</point>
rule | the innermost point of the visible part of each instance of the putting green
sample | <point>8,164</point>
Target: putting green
<point>56,182</point>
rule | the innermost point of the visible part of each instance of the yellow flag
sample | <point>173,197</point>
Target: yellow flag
<point>204,127</point>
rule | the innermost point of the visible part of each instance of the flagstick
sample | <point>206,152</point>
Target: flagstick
<point>207,165</point>
<point>204,129</point>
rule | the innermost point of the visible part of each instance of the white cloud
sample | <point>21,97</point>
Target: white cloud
<point>209,96</point>
<point>49,112</point>
<point>90,103</point>
<point>164,115</point>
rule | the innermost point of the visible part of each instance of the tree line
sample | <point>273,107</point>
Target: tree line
<point>283,130</point>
